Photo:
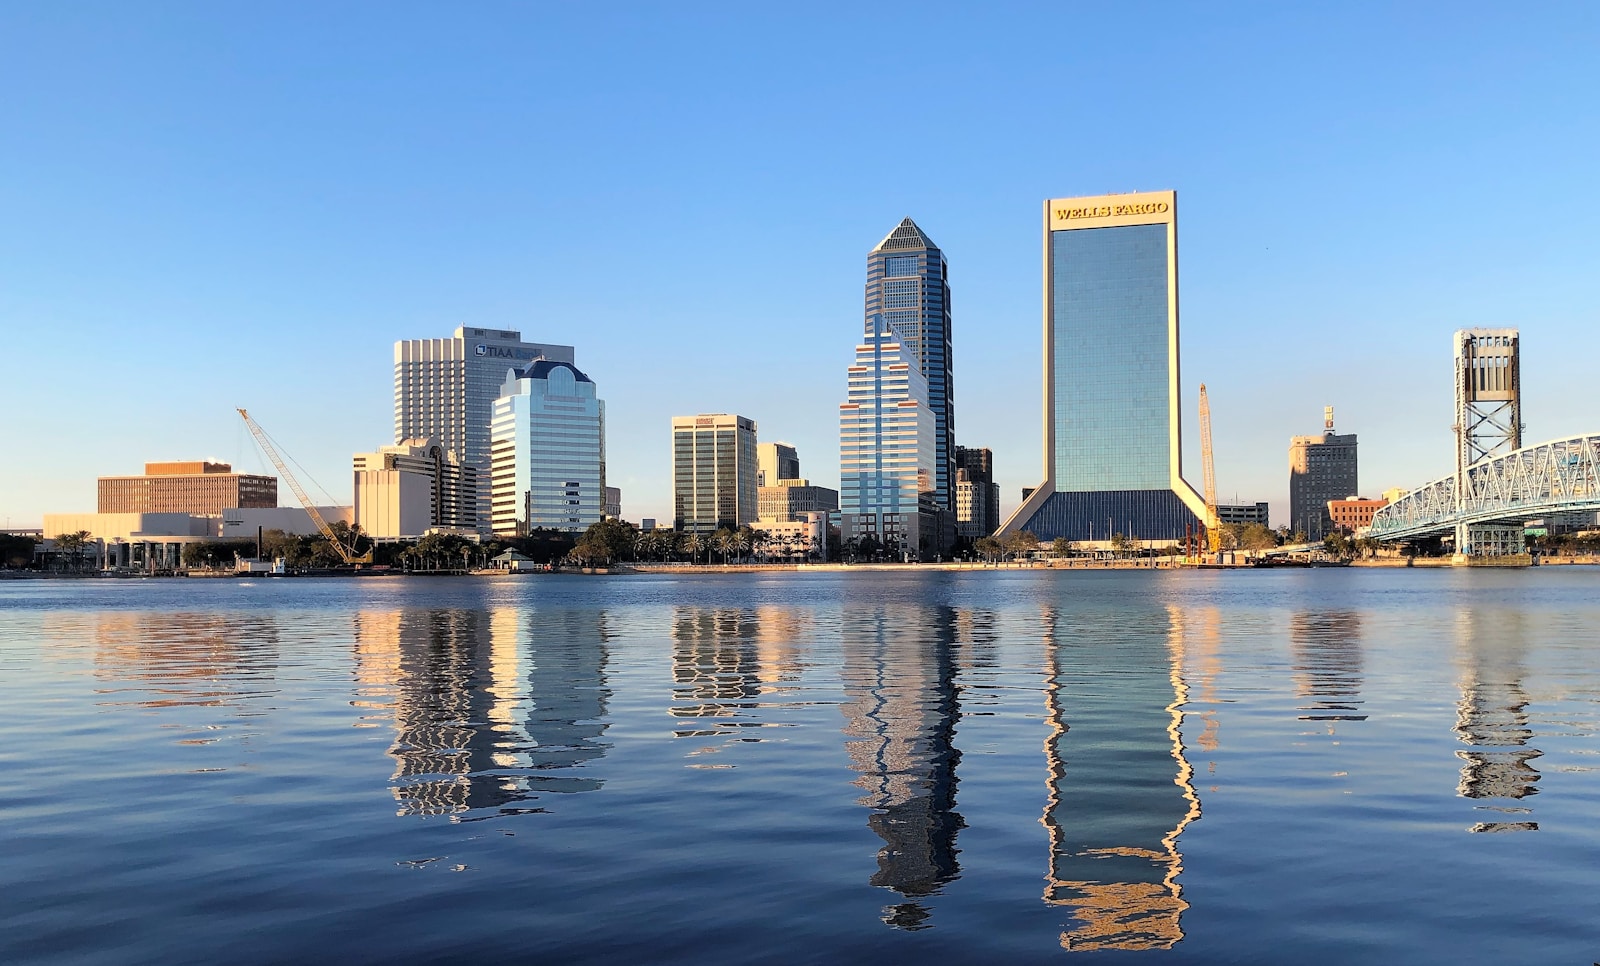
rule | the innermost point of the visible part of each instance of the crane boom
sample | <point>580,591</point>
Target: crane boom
<point>262,441</point>
<point>1209,470</point>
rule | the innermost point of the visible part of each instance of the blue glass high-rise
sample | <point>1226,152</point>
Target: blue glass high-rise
<point>1113,446</point>
<point>908,287</point>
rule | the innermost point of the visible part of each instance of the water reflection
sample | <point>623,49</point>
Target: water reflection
<point>1120,788</point>
<point>902,705</point>
<point>489,708</point>
<point>162,660</point>
<point>715,669</point>
<point>1492,717</point>
<point>1326,649</point>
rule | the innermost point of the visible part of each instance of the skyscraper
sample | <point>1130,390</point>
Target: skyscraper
<point>1113,453</point>
<point>1321,468</point>
<point>887,450</point>
<point>713,472</point>
<point>445,389</point>
<point>908,285</point>
<point>548,450</point>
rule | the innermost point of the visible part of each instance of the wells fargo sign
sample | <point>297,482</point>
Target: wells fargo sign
<point>1109,210</point>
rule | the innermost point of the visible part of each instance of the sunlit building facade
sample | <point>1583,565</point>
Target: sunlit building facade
<point>1113,446</point>
<point>187,486</point>
<point>406,490</point>
<point>774,462</point>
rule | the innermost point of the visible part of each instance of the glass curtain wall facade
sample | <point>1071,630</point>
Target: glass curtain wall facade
<point>908,286</point>
<point>548,439</point>
<point>887,450</point>
<point>445,390</point>
<point>714,471</point>
<point>1113,461</point>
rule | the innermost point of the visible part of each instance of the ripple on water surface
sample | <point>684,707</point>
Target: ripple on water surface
<point>1309,767</point>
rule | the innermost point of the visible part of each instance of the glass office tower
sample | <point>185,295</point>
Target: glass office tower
<point>886,451</point>
<point>908,286</point>
<point>547,451</point>
<point>445,389</point>
<point>1113,461</point>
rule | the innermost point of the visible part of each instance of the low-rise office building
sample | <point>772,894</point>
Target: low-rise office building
<point>193,486</point>
<point>139,541</point>
<point>1354,513</point>
<point>1243,514</point>
<point>405,491</point>
<point>246,523</point>
<point>792,499</point>
<point>977,495</point>
<point>802,539</point>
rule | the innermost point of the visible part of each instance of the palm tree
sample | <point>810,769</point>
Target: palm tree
<point>726,541</point>
<point>692,544</point>
<point>71,545</point>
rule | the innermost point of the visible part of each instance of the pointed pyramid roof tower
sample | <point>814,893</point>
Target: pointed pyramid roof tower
<point>905,237</point>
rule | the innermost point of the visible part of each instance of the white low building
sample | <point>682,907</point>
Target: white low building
<point>133,540</point>
<point>244,523</point>
<point>796,539</point>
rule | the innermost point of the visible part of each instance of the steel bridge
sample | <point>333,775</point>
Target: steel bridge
<point>1496,496</point>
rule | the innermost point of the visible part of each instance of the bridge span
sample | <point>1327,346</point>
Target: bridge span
<point>1487,507</point>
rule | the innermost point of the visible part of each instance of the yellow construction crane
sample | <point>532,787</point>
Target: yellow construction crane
<point>347,554</point>
<point>1208,467</point>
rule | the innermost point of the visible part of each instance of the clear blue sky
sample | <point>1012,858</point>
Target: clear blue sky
<point>205,206</point>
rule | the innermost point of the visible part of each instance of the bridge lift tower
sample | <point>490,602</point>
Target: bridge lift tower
<point>1488,424</point>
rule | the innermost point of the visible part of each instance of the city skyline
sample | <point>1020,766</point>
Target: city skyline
<point>190,213</point>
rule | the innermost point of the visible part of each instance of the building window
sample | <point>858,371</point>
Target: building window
<point>899,266</point>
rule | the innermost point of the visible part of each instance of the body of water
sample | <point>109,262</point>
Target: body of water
<point>1262,767</point>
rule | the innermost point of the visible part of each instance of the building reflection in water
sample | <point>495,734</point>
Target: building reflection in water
<point>490,709</point>
<point>1326,650</point>
<point>902,705</point>
<point>1492,718</point>
<point>1120,789</point>
<point>727,662</point>
<point>157,659</point>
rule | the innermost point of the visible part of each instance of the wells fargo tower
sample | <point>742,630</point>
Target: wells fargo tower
<point>1112,445</point>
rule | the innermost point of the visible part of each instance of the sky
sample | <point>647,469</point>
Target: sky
<point>207,206</point>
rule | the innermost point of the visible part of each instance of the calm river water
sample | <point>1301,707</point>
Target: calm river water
<point>1281,767</point>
